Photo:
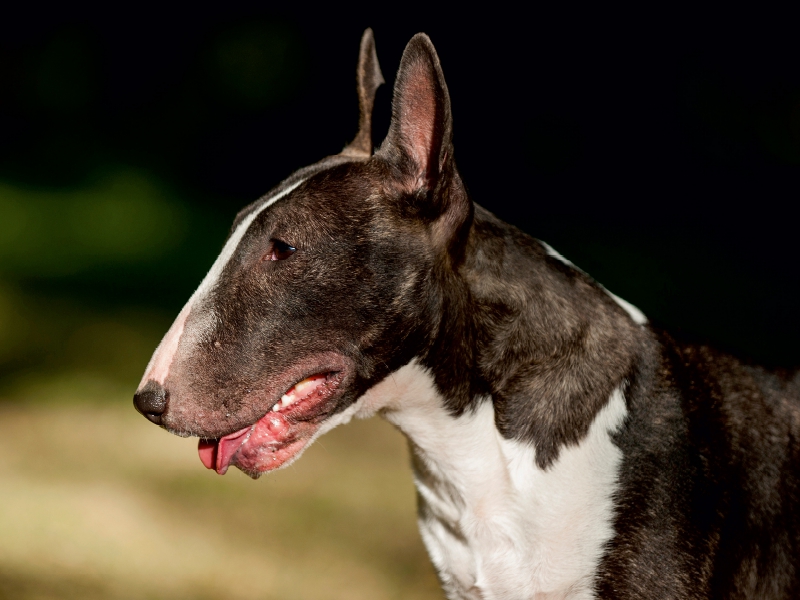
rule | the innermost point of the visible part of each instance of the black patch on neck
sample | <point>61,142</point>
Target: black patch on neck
<point>546,342</point>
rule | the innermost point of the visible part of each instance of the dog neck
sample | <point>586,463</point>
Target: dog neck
<point>523,326</point>
<point>504,485</point>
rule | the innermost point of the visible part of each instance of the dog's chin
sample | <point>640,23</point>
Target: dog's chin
<point>280,436</point>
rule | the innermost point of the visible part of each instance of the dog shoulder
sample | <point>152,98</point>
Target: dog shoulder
<point>708,475</point>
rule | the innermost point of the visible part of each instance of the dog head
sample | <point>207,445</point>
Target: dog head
<point>326,285</point>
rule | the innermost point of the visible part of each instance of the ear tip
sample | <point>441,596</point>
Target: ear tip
<point>422,41</point>
<point>421,46</point>
<point>421,37</point>
<point>367,38</point>
<point>369,55</point>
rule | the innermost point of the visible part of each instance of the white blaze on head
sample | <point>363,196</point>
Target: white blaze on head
<point>158,368</point>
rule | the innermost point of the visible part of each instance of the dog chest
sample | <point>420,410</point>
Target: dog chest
<point>495,524</point>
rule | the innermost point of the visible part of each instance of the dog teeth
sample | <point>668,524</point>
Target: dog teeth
<point>298,392</point>
<point>301,385</point>
<point>286,400</point>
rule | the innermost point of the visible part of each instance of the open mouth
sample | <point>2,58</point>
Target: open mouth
<point>279,435</point>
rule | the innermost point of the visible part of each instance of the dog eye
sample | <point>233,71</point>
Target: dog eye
<point>279,250</point>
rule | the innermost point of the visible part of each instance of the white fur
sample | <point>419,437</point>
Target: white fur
<point>634,313</point>
<point>557,255</point>
<point>496,525</point>
<point>159,365</point>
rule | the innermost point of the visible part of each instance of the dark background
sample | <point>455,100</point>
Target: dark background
<point>657,148</point>
<point>659,151</point>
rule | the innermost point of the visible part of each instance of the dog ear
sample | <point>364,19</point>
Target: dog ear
<point>419,143</point>
<point>369,78</point>
<point>420,133</point>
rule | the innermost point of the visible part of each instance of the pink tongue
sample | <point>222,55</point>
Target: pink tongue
<point>208,453</point>
<point>217,454</point>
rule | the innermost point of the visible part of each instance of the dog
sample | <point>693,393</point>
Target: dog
<point>563,446</point>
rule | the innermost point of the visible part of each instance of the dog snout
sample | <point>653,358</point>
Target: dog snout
<point>151,401</point>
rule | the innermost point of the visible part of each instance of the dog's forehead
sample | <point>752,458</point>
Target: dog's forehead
<point>326,202</point>
<point>334,184</point>
<point>341,211</point>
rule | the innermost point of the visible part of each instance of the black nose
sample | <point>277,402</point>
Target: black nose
<point>151,401</point>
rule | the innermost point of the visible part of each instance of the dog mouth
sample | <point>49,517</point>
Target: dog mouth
<point>278,436</point>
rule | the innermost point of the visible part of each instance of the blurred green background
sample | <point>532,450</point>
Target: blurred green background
<point>662,158</point>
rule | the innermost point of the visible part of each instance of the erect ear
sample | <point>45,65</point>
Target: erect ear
<point>369,78</point>
<point>421,129</point>
<point>419,143</point>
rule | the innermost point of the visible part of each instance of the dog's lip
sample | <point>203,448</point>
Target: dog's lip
<point>280,428</point>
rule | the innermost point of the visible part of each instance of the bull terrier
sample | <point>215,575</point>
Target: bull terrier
<point>563,446</point>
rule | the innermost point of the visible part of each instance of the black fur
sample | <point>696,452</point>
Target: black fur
<point>708,501</point>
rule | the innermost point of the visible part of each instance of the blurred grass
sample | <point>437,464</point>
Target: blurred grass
<point>98,503</point>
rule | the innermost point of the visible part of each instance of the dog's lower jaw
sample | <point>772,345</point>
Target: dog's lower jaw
<point>281,434</point>
<point>495,524</point>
